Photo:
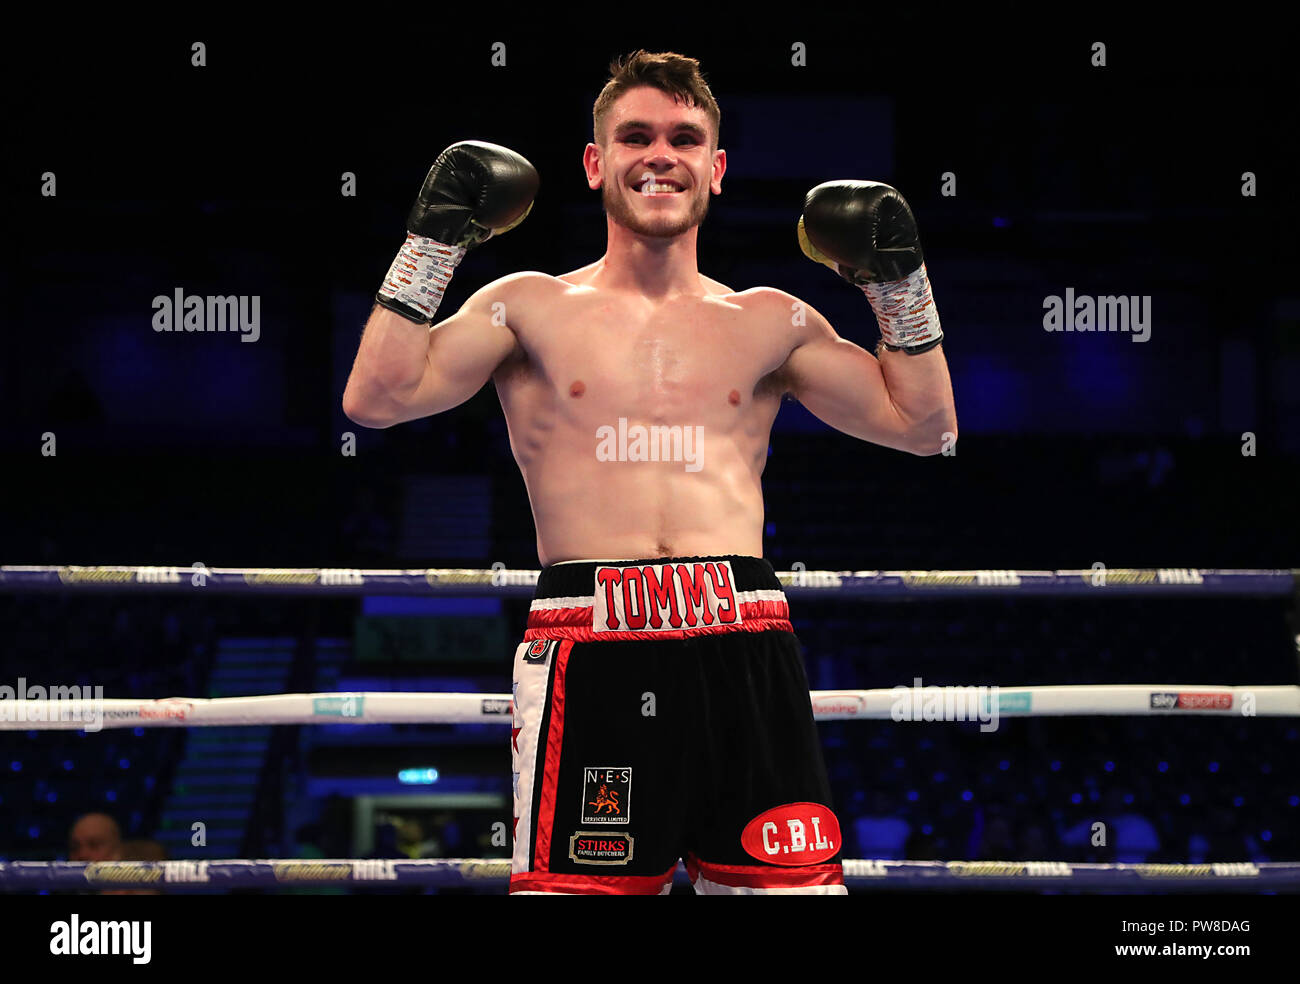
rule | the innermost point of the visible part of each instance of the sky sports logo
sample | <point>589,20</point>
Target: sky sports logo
<point>1191,702</point>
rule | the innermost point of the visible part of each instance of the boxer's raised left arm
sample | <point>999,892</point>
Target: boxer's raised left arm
<point>866,232</point>
<point>898,401</point>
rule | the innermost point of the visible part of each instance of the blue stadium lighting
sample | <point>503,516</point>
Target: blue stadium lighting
<point>138,732</point>
<point>1184,799</point>
<point>406,605</point>
<point>1109,766</point>
<point>1163,766</point>
<point>913,796</point>
<point>1238,800</point>
<point>1128,799</point>
<point>927,828</point>
<point>417,777</point>
<point>67,765</point>
<point>1266,835</point>
<point>33,832</point>
<point>939,777</point>
<point>1076,798</point>
<point>1294,801</point>
<point>1214,766</point>
<point>124,763</point>
<point>967,795</point>
<point>1056,766</point>
<point>111,796</point>
<point>1004,765</point>
<point>51,797</point>
<point>16,766</point>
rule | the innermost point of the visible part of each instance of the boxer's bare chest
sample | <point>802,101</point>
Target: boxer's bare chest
<point>593,356</point>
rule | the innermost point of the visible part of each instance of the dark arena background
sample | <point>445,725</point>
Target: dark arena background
<point>1094,156</point>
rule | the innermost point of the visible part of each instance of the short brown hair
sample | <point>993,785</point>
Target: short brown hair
<point>666,71</point>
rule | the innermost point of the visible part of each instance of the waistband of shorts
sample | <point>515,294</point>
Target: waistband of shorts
<point>657,598</point>
<point>570,579</point>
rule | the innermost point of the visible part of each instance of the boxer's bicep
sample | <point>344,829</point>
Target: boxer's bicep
<point>459,355</point>
<point>405,371</point>
<point>842,385</point>
<point>464,351</point>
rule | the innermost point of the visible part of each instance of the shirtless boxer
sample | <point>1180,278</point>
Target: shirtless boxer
<point>661,704</point>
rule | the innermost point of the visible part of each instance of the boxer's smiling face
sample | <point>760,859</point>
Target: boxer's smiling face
<point>656,166</point>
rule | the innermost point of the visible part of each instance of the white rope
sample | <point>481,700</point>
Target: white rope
<point>915,703</point>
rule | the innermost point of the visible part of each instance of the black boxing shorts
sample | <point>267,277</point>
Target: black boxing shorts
<point>661,712</point>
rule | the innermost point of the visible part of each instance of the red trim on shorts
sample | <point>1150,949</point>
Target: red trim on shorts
<point>576,624</point>
<point>754,876</point>
<point>533,881</point>
<point>587,635</point>
<point>551,767</point>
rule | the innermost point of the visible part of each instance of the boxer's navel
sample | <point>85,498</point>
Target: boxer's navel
<point>577,388</point>
<point>734,398</point>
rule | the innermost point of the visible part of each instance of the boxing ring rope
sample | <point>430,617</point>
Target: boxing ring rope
<point>438,708</point>
<point>386,707</point>
<point>1095,582</point>
<point>461,872</point>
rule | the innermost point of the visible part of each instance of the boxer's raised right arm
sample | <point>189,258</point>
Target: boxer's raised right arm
<point>404,371</point>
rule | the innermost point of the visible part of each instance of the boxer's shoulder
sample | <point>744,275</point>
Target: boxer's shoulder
<point>778,311</point>
<point>769,298</point>
<point>523,286</point>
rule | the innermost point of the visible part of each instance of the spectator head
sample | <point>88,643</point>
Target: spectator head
<point>95,837</point>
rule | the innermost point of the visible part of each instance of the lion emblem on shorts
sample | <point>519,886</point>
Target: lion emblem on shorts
<point>605,800</point>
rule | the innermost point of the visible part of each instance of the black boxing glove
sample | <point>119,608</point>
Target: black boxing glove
<point>474,191</point>
<point>865,232</point>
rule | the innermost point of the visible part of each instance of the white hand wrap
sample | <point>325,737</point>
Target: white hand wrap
<point>905,310</point>
<point>420,274</point>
